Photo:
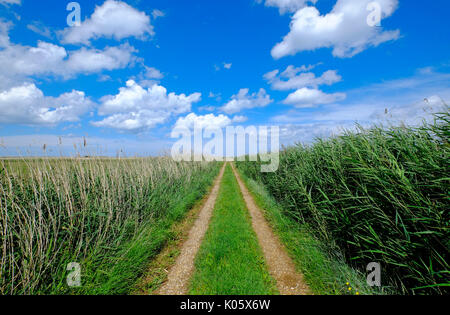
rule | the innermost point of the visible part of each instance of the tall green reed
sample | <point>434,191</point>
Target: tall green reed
<point>376,195</point>
<point>56,211</point>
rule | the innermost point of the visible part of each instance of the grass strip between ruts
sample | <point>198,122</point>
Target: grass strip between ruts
<point>230,261</point>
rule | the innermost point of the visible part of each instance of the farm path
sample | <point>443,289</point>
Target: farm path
<point>281,266</point>
<point>179,275</point>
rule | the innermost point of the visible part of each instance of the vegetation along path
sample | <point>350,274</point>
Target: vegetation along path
<point>179,274</point>
<point>231,249</point>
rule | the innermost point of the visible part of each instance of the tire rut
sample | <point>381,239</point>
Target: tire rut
<point>281,266</point>
<point>179,275</point>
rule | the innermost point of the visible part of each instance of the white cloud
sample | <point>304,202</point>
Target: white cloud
<point>136,109</point>
<point>27,104</point>
<point>20,64</point>
<point>4,33</point>
<point>6,2</point>
<point>244,100</point>
<point>39,28</point>
<point>408,100</point>
<point>294,78</point>
<point>345,29</point>
<point>94,60</point>
<point>239,119</point>
<point>25,60</point>
<point>133,122</point>
<point>206,108</point>
<point>157,13</point>
<point>19,61</point>
<point>209,121</point>
<point>113,19</point>
<point>153,73</point>
<point>287,5</point>
<point>306,83</point>
<point>292,71</point>
<point>226,66</point>
<point>306,97</point>
<point>104,78</point>
<point>148,77</point>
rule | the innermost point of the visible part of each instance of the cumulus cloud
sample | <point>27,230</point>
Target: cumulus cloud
<point>21,102</point>
<point>287,5</point>
<point>94,60</point>
<point>136,109</point>
<point>19,61</point>
<point>244,100</point>
<point>345,29</point>
<point>27,104</point>
<point>306,83</point>
<point>306,97</point>
<point>113,19</point>
<point>295,78</point>
<point>209,121</point>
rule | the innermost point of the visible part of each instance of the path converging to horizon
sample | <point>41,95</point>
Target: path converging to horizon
<point>177,283</point>
<point>231,249</point>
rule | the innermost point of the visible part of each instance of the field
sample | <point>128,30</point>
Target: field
<point>376,195</point>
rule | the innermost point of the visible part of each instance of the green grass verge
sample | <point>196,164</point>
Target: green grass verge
<point>133,259</point>
<point>230,261</point>
<point>325,273</point>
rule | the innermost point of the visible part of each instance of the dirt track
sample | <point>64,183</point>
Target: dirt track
<point>281,266</point>
<point>179,275</point>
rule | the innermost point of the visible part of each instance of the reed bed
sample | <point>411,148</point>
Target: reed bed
<point>375,195</point>
<point>101,213</point>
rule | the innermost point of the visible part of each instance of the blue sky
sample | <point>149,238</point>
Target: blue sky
<point>135,69</point>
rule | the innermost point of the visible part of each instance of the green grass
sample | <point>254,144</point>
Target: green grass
<point>324,273</point>
<point>376,195</point>
<point>120,273</point>
<point>230,261</point>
